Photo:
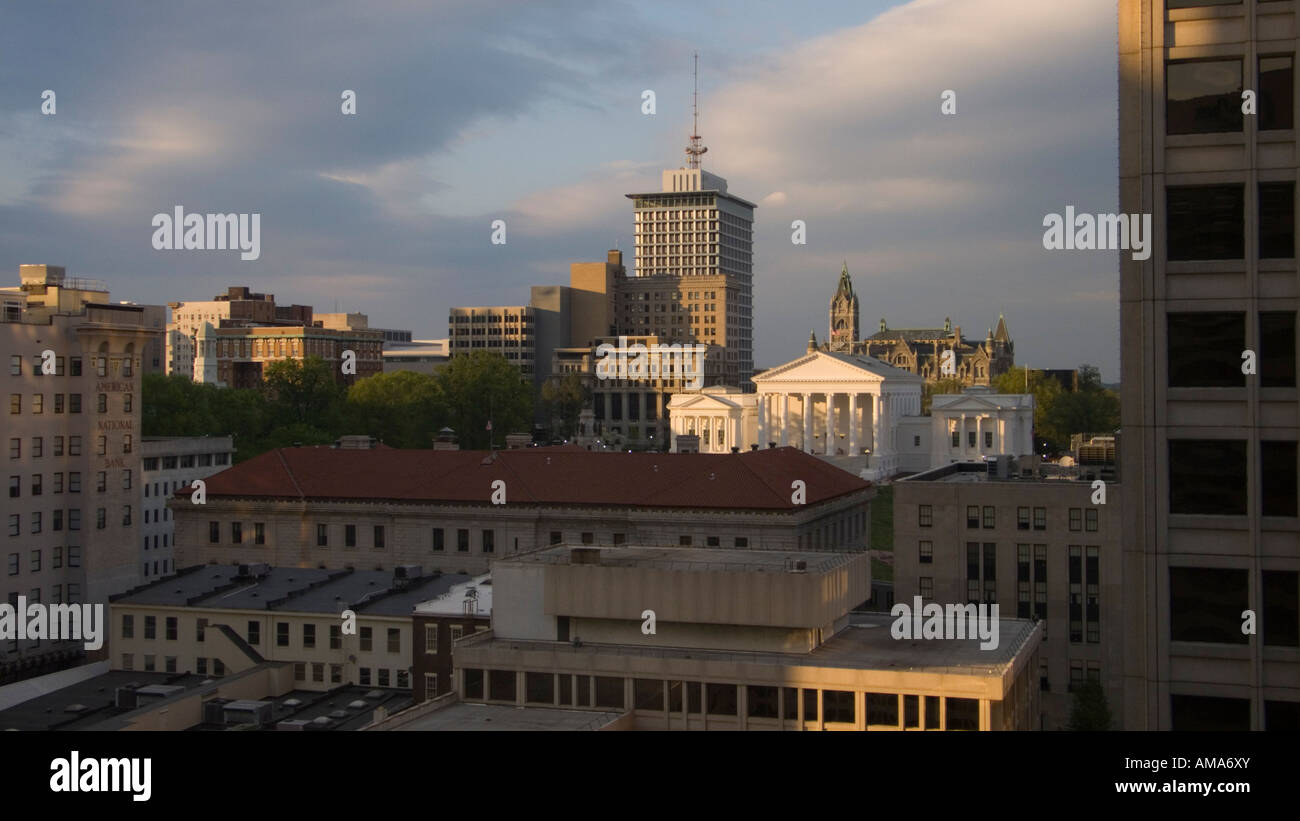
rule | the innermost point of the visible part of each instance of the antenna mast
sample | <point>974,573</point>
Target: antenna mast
<point>694,149</point>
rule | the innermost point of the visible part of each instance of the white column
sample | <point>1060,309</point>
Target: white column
<point>762,421</point>
<point>807,423</point>
<point>961,437</point>
<point>785,420</point>
<point>853,424</point>
<point>830,424</point>
<point>877,440</point>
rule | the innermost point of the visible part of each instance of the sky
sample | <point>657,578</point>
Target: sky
<point>531,113</point>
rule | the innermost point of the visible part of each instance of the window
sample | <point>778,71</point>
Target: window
<point>126,480</point>
<point>254,632</point>
<point>988,439</point>
<point>972,516</point>
<point>1203,96</point>
<point>322,535</point>
<point>1076,518</point>
<point>394,640</point>
<point>1205,349</point>
<point>126,443</point>
<point>379,537</point>
<point>214,532</point>
<point>74,552</point>
<point>1091,520</point>
<point>200,629</point>
<point>74,484</point>
<point>126,515</point>
<point>720,699</point>
<point>988,517</point>
<point>462,540</point>
<point>1207,476</point>
<point>126,403</point>
<point>1040,518</point>
<point>367,639</point>
<point>927,553</point>
<point>101,481</point>
<point>882,709</point>
<point>38,403</point>
<point>75,364</point>
<point>15,403</point>
<point>956,438</point>
<point>14,563</point>
<point>15,365</point>
<point>15,524</point>
<point>742,541</point>
<point>15,448</point>
<point>349,535</point>
<point>431,639</point>
<point>259,533</point>
<point>74,403</point>
<point>924,515</point>
<point>101,518</point>
<point>101,403</point>
<point>1276,220</point>
<point>128,626</point>
<point>1205,604</point>
<point>438,544</point>
<point>237,532</point>
<point>15,487</point>
<point>336,637</point>
<point>309,635</point>
<point>1276,87</point>
<point>1277,349</point>
<point>489,541</point>
<point>1281,617</point>
<point>58,551</point>
<point>171,625</point>
<point>149,664</point>
<point>151,627</point>
<point>1206,221</point>
<point>925,587</point>
<point>58,403</point>
<point>837,706</point>
<point>58,446</point>
<point>1278,478</point>
<point>282,634</point>
<point>336,674</point>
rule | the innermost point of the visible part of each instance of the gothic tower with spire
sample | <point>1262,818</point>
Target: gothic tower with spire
<point>844,315</point>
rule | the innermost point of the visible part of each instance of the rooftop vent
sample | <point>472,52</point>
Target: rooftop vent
<point>253,570</point>
<point>796,566</point>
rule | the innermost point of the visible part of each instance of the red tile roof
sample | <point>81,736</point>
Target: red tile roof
<point>754,480</point>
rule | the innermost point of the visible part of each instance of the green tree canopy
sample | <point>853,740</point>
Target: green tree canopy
<point>303,392</point>
<point>483,386</point>
<point>404,409</point>
<point>938,387</point>
<point>1089,710</point>
<point>563,399</point>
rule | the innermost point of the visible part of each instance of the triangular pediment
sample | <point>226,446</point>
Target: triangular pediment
<point>825,366</point>
<point>977,402</point>
<point>706,402</point>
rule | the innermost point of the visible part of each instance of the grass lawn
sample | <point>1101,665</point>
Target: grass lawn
<point>882,519</point>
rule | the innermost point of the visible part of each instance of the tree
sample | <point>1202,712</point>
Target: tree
<point>563,399</point>
<point>403,409</point>
<point>1046,391</point>
<point>483,386</point>
<point>938,387</point>
<point>304,392</point>
<point>1089,710</point>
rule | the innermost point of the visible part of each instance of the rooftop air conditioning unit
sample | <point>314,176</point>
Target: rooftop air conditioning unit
<point>796,566</point>
<point>253,570</point>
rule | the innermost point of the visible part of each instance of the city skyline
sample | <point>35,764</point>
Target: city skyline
<point>389,211</point>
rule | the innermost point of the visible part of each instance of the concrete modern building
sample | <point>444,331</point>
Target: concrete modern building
<point>1039,548</point>
<point>72,439</point>
<point>510,330</point>
<point>419,355</point>
<point>690,639</point>
<point>169,463</point>
<point>919,350</point>
<point>1210,413</point>
<point>456,511</point>
<point>694,277</point>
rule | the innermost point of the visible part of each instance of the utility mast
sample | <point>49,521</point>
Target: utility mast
<point>694,149</point>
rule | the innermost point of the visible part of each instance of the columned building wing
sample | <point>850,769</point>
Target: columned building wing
<point>722,419</point>
<point>837,404</point>
<point>974,426</point>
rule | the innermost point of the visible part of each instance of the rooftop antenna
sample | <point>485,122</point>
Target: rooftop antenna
<point>694,150</point>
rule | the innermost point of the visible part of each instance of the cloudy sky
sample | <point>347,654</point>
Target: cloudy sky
<point>473,111</point>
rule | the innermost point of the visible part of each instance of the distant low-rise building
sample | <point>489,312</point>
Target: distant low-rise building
<point>170,463</point>
<point>438,624</point>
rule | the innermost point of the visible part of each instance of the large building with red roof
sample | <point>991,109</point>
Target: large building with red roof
<point>456,510</point>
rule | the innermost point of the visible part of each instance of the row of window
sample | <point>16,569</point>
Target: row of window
<point>1203,96</point>
<point>100,363</point>
<point>171,625</point>
<point>33,596</point>
<point>1206,605</point>
<point>34,559</point>
<point>74,446</point>
<point>383,674</point>
<point>56,520</point>
<point>985,517</point>
<point>38,483</point>
<point>699,698</point>
<point>203,460</point>
<point>1209,477</point>
<point>38,403</point>
<point>169,664</point>
<point>1207,222</point>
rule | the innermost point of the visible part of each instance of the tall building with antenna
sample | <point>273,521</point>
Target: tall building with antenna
<point>694,267</point>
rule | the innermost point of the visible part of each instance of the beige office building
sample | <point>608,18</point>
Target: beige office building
<point>689,639</point>
<point>72,445</point>
<point>1039,548</point>
<point>1208,323</point>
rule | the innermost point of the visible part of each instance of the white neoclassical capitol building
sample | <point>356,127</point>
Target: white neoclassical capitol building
<point>855,411</point>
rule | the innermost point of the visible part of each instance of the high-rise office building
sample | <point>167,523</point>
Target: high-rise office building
<point>1208,323</point>
<point>694,277</point>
